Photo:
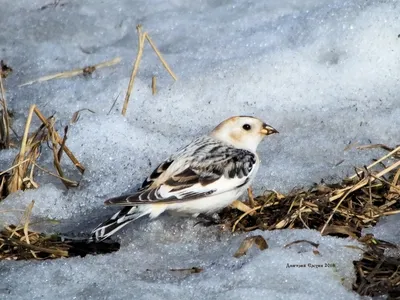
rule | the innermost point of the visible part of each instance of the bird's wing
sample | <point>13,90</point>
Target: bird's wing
<point>208,172</point>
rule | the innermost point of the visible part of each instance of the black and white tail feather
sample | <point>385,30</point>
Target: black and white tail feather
<point>117,222</point>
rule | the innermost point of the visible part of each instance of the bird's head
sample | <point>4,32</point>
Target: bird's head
<point>243,132</point>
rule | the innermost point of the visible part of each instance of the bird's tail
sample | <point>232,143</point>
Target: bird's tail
<point>116,222</point>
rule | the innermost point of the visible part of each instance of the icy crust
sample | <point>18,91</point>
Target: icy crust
<point>141,269</point>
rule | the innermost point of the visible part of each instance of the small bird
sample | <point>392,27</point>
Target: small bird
<point>205,176</point>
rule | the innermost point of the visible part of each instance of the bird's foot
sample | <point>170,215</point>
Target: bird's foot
<point>208,220</point>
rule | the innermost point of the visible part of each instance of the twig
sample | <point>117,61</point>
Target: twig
<point>243,215</point>
<point>71,182</point>
<point>74,72</point>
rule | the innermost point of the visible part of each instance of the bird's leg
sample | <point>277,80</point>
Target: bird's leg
<point>208,220</point>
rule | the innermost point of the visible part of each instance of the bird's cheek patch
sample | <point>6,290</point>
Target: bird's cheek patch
<point>236,136</point>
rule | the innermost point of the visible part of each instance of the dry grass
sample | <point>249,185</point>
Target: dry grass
<point>338,209</point>
<point>142,37</point>
<point>21,175</point>
<point>19,243</point>
<point>342,209</point>
<point>378,272</point>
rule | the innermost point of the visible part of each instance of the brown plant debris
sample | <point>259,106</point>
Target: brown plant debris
<point>378,272</point>
<point>4,69</point>
<point>54,4</point>
<point>15,246</point>
<point>193,270</point>
<point>76,115</point>
<point>20,243</point>
<point>142,37</point>
<point>248,242</point>
<point>341,209</point>
<point>21,175</point>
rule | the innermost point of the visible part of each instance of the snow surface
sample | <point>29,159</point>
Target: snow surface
<point>324,73</point>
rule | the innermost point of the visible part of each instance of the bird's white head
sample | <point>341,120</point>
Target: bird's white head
<point>242,132</point>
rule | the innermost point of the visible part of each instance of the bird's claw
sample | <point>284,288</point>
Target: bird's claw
<point>208,220</point>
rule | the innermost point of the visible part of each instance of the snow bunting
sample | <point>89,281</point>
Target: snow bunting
<point>201,178</point>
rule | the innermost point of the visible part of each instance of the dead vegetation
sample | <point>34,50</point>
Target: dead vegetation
<point>336,209</point>
<point>378,272</point>
<point>21,175</point>
<point>342,209</point>
<point>20,243</point>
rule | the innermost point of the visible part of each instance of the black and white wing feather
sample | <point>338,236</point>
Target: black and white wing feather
<point>205,167</point>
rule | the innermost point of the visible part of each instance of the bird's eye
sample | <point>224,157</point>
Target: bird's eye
<point>246,127</point>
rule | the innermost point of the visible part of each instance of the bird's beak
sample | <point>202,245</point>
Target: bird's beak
<point>267,130</point>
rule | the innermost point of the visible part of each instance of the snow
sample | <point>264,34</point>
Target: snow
<point>324,73</point>
<point>387,229</point>
<point>141,271</point>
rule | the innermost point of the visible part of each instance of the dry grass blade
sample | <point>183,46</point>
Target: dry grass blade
<point>57,154</point>
<point>14,166</point>
<point>164,63</point>
<point>58,139</point>
<point>239,205</point>
<point>390,154</point>
<point>5,118</point>
<point>248,242</point>
<point>342,230</point>
<point>25,220</point>
<point>29,151</point>
<point>135,69</point>
<point>141,39</point>
<point>244,215</point>
<point>76,72</point>
<point>71,183</point>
